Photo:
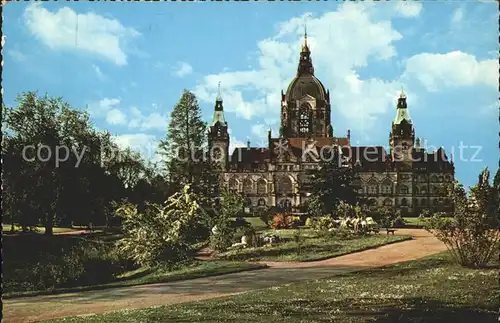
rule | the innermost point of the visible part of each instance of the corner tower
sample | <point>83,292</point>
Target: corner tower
<point>218,136</point>
<point>402,135</point>
<point>305,108</point>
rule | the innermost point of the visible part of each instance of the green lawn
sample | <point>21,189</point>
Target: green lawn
<point>414,222</point>
<point>143,276</point>
<point>256,223</point>
<point>313,247</point>
<point>6,229</point>
<point>429,290</point>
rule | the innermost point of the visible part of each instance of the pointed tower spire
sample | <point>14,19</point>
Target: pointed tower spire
<point>402,95</point>
<point>218,109</point>
<point>402,109</point>
<point>219,97</point>
<point>305,62</point>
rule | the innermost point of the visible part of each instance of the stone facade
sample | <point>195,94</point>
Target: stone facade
<point>405,177</point>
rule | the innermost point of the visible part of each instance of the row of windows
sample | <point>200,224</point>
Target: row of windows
<point>386,189</point>
<point>435,178</point>
<point>284,186</point>
<point>416,202</point>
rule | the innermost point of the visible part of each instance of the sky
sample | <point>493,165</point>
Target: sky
<point>128,63</point>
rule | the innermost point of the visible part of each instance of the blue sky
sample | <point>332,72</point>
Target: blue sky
<point>127,63</point>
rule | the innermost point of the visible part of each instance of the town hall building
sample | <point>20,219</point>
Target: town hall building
<point>406,177</point>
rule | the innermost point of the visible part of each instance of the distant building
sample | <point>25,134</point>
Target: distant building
<point>407,177</point>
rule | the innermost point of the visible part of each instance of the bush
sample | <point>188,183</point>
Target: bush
<point>399,222</point>
<point>161,234</point>
<point>324,223</point>
<point>472,234</point>
<point>264,215</point>
<point>282,221</point>
<point>310,222</point>
<point>59,262</point>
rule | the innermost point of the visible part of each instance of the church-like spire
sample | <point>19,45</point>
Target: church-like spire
<point>402,109</point>
<point>305,48</point>
<point>219,97</point>
<point>218,109</point>
<point>305,63</point>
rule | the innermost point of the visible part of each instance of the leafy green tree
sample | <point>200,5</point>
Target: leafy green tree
<point>332,184</point>
<point>231,206</point>
<point>68,180</point>
<point>186,138</point>
<point>161,234</point>
<point>471,235</point>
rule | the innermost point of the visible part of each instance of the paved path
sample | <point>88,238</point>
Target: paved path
<point>53,306</point>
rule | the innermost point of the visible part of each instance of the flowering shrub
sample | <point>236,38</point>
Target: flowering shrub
<point>282,221</point>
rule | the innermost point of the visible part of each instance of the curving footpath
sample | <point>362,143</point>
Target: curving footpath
<point>29,309</point>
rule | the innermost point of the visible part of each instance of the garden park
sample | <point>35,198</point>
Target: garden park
<point>130,244</point>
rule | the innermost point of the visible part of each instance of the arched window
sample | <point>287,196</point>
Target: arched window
<point>285,185</point>
<point>285,205</point>
<point>403,189</point>
<point>304,119</point>
<point>261,202</point>
<point>387,187</point>
<point>372,203</point>
<point>248,202</point>
<point>434,178</point>
<point>233,185</point>
<point>372,187</point>
<point>261,186</point>
<point>387,202</point>
<point>423,191</point>
<point>247,186</point>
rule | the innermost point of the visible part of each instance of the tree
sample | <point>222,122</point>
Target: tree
<point>471,235</point>
<point>231,206</point>
<point>54,172</point>
<point>185,141</point>
<point>331,184</point>
<point>161,234</point>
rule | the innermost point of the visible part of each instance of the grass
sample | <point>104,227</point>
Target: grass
<point>144,276</point>
<point>6,229</point>
<point>312,247</point>
<point>256,223</point>
<point>414,222</point>
<point>430,290</point>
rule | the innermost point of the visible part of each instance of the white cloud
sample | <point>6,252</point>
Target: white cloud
<point>408,9</point>
<point>101,108</point>
<point>143,143</point>
<point>235,143</point>
<point>183,69</point>
<point>451,69</point>
<point>152,121</point>
<point>340,41</point>
<point>134,118</point>
<point>116,117</point>
<point>16,54</point>
<point>91,33</point>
